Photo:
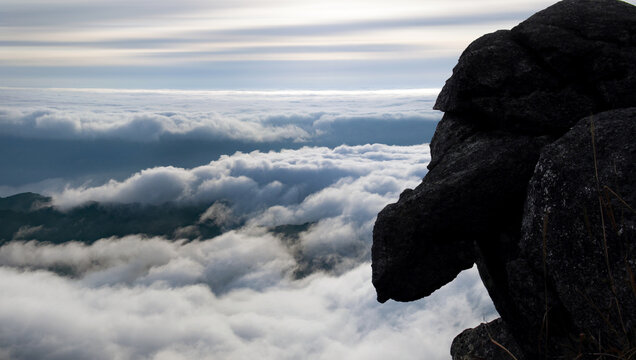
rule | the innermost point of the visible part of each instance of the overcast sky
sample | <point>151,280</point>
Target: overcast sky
<point>244,44</point>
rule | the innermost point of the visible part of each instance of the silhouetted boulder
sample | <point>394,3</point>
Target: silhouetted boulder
<point>473,187</point>
<point>571,60</point>
<point>512,183</point>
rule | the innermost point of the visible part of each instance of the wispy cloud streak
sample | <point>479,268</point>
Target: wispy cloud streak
<point>123,35</point>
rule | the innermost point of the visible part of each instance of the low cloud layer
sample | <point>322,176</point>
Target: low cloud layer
<point>249,116</point>
<point>145,127</point>
<point>230,297</point>
<point>338,191</point>
<point>257,180</point>
<point>250,292</point>
<point>251,259</point>
<point>57,136</point>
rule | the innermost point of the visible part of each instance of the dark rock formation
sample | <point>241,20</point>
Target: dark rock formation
<point>490,341</point>
<point>512,184</point>
<point>579,210</point>
<point>406,250</point>
<point>571,60</point>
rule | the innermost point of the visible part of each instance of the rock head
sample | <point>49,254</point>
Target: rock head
<point>532,178</point>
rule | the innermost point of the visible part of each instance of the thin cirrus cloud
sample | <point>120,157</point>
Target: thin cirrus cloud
<point>42,41</point>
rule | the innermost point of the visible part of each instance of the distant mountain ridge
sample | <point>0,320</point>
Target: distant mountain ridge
<point>24,202</point>
<point>29,216</point>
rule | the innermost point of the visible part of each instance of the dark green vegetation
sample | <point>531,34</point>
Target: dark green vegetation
<point>30,216</point>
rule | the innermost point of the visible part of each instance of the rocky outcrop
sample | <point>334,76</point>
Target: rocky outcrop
<point>490,341</point>
<point>571,60</point>
<point>406,261</point>
<point>530,187</point>
<point>579,228</point>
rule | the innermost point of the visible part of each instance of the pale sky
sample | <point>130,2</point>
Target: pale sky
<point>244,44</point>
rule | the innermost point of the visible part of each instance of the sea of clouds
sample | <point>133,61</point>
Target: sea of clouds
<point>235,296</point>
<point>141,308</point>
<point>338,191</point>
<point>66,135</point>
<point>253,116</point>
<point>238,295</point>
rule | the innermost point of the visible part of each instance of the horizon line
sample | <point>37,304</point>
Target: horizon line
<point>428,91</point>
